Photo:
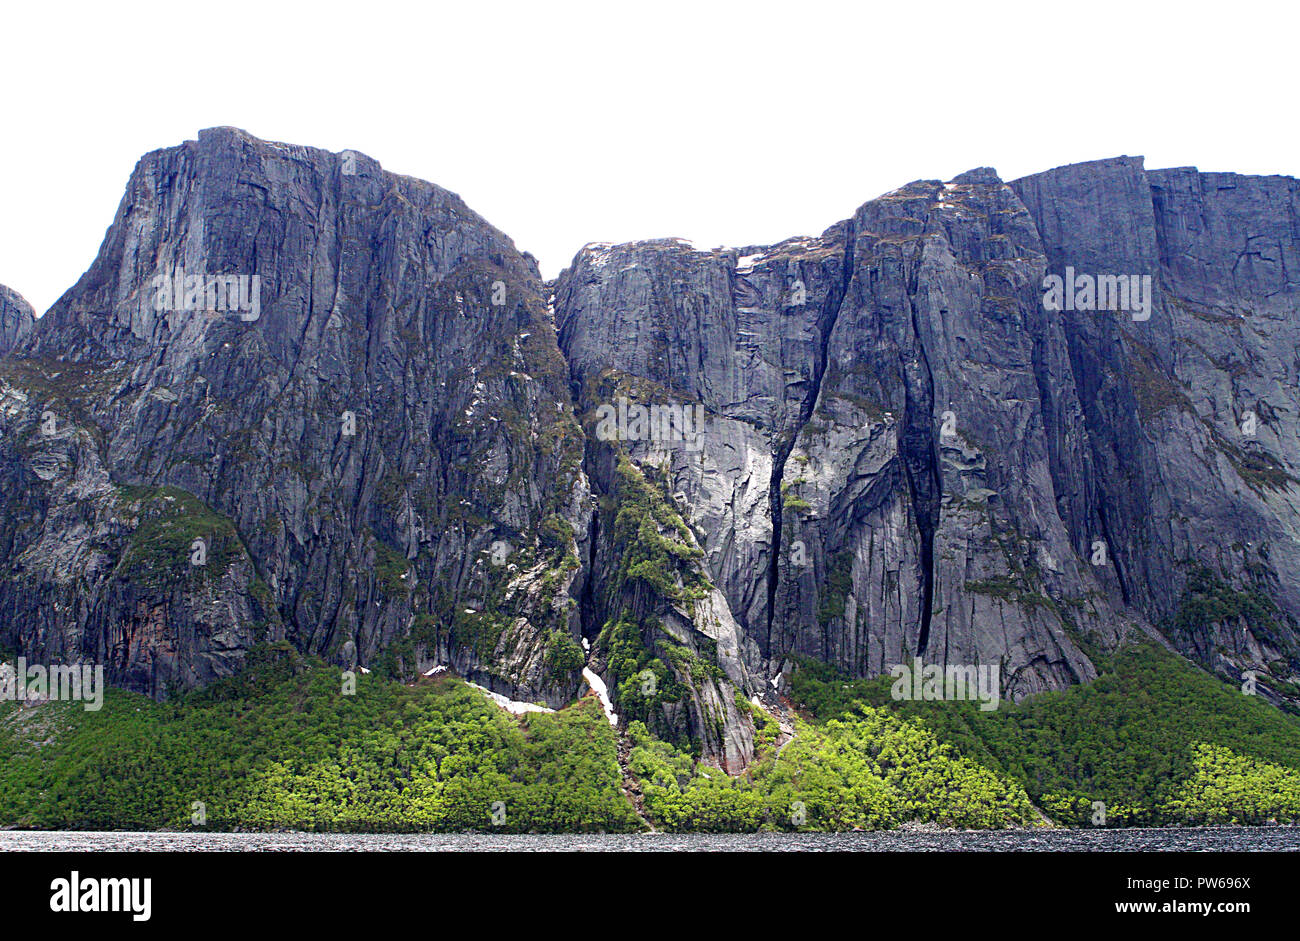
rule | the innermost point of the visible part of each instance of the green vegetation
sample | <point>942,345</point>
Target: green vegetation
<point>160,549</point>
<point>563,655</point>
<point>71,390</point>
<point>790,498</point>
<point>650,669</point>
<point>1209,600</point>
<point>1014,589</point>
<point>1227,788</point>
<point>642,681</point>
<point>1260,470</point>
<point>795,504</point>
<point>1135,739</point>
<point>281,746</point>
<point>1210,608</point>
<point>1152,388</point>
<point>278,746</point>
<point>657,547</point>
<point>479,631</point>
<point>766,728</point>
<point>391,568</point>
<point>839,581</point>
<point>868,769</point>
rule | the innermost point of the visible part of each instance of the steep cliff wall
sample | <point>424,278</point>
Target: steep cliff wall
<point>298,397</point>
<point>386,407</point>
<point>910,450</point>
<point>16,318</point>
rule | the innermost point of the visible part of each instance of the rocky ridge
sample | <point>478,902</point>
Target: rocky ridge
<point>400,448</point>
<point>16,318</point>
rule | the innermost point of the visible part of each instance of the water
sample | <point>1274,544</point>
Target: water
<point>1194,839</point>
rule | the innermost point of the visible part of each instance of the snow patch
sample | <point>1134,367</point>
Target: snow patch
<point>602,693</point>
<point>513,706</point>
<point>600,253</point>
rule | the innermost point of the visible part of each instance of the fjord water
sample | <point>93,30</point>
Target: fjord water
<point>1166,839</point>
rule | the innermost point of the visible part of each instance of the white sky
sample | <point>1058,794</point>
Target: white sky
<point>564,123</point>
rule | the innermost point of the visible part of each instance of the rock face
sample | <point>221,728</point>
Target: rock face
<point>659,325</point>
<point>16,318</point>
<point>841,523</point>
<point>910,451</point>
<point>298,398</point>
<point>1190,417</point>
<point>363,424</point>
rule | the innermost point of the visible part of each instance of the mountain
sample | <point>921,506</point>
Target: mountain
<point>349,442</point>
<point>299,398</point>
<point>16,318</point>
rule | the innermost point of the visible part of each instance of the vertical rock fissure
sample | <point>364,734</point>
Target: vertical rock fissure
<point>1111,546</point>
<point>774,564</point>
<point>589,623</point>
<point>781,455</point>
<point>921,464</point>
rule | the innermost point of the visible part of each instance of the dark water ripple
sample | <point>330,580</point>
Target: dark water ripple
<point>1195,839</point>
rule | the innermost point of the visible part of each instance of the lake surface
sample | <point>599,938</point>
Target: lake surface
<point>1196,839</point>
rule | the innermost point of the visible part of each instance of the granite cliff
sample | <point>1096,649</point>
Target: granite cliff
<point>299,398</point>
<point>16,318</point>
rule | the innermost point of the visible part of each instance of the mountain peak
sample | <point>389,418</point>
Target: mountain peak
<point>16,318</point>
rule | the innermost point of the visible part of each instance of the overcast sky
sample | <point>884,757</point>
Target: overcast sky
<point>564,123</point>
